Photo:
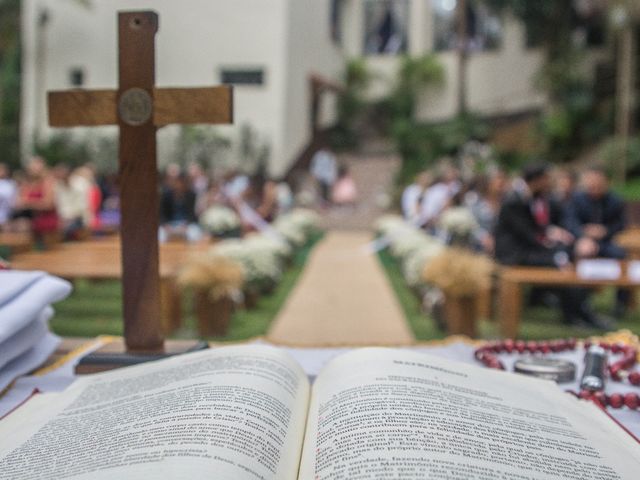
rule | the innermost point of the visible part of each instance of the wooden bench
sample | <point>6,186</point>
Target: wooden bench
<point>16,242</point>
<point>630,241</point>
<point>102,261</point>
<point>512,279</point>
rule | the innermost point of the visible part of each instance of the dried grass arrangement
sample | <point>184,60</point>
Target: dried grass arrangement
<point>459,273</point>
<point>218,276</point>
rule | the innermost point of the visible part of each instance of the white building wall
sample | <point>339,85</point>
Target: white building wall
<point>309,49</point>
<point>196,38</point>
<point>498,82</point>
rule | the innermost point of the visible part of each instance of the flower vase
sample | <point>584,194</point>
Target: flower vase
<point>460,314</point>
<point>213,316</point>
<point>251,298</point>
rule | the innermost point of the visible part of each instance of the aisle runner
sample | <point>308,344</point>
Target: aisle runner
<point>343,297</point>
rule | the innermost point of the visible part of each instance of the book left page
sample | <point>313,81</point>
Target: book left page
<point>227,413</point>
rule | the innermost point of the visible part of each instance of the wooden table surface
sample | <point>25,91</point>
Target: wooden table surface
<point>16,242</point>
<point>512,279</point>
<point>101,260</point>
<point>560,278</point>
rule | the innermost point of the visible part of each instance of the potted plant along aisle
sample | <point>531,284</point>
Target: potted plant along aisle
<point>221,222</point>
<point>461,276</point>
<point>217,284</point>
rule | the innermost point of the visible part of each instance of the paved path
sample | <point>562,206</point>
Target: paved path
<point>342,298</point>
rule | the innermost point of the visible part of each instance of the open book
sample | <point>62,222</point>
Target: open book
<point>248,412</point>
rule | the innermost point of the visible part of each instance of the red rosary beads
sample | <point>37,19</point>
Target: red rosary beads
<point>618,370</point>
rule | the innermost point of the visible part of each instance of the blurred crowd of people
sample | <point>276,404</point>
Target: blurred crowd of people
<point>72,203</point>
<point>543,216</point>
<point>57,201</point>
<point>186,195</point>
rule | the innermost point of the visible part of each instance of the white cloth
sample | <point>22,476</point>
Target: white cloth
<point>29,360</point>
<point>25,338</point>
<point>8,192</point>
<point>435,200</point>
<point>411,202</point>
<point>54,381</point>
<point>24,295</point>
<point>235,187</point>
<point>324,167</point>
<point>72,202</point>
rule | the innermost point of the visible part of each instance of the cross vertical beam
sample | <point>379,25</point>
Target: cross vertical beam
<point>138,183</point>
<point>139,109</point>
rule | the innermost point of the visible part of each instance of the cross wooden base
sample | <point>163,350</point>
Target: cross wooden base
<point>115,355</point>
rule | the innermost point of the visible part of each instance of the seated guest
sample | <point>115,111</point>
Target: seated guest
<point>36,201</point>
<point>178,209</point>
<point>437,197</point>
<point>71,203</point>
<point>595,216</point>
<point>84,178</point>
<point>529,231</point>
<point>485,209</point>
<point>261,196</point>
<point>412,195</point>
<point>8,192</point>
<point>564,187</point>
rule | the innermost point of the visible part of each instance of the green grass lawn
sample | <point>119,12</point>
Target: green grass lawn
<point>537,323</point>
<point>94,308</point>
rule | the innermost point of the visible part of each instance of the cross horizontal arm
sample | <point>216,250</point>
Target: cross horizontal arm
<point>193,105</point>
<point>83,108</point>
<point>73,108</point>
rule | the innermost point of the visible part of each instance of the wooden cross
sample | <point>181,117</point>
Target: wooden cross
<point>139,108</point>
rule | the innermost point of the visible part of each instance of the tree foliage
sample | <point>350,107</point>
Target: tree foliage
<point>549,22</point>
<point>10,81</point>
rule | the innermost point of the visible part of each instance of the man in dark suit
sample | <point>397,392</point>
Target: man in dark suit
<point>595,216</point>
<point>531,231</point>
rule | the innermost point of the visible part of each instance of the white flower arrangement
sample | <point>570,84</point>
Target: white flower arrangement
<point>458,221</point>
<point>261,266</point>
<point>297,226</point>
<point>271,243</point>
<point>387,223</point>
<point>407,243</point>
<point>305,219</point>
<point>413,266</point>
<point>290,232</point>
<point>219,220</point>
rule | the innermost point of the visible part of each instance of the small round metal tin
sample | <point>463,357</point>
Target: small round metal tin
<point>560,371</point>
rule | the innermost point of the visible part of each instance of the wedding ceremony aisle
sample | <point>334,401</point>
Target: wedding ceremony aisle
<point>342,298</point>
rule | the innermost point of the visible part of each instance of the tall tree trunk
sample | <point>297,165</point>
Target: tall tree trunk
<point>624,97</point>
<point>463,55</point>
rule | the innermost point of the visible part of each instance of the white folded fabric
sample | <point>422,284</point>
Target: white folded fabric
<point>26,296</point>
<point>29,360</point>
<point>14,282</point>
<point>25,338</point>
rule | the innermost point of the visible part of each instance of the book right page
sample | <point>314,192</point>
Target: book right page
<point>382,413</point>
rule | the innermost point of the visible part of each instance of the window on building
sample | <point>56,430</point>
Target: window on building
<point>335,21</point>
<point>484,26</point>
<point>589,24</point>
<point>242,76</point>
<point>76,77</point>
<point>386,26</point>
